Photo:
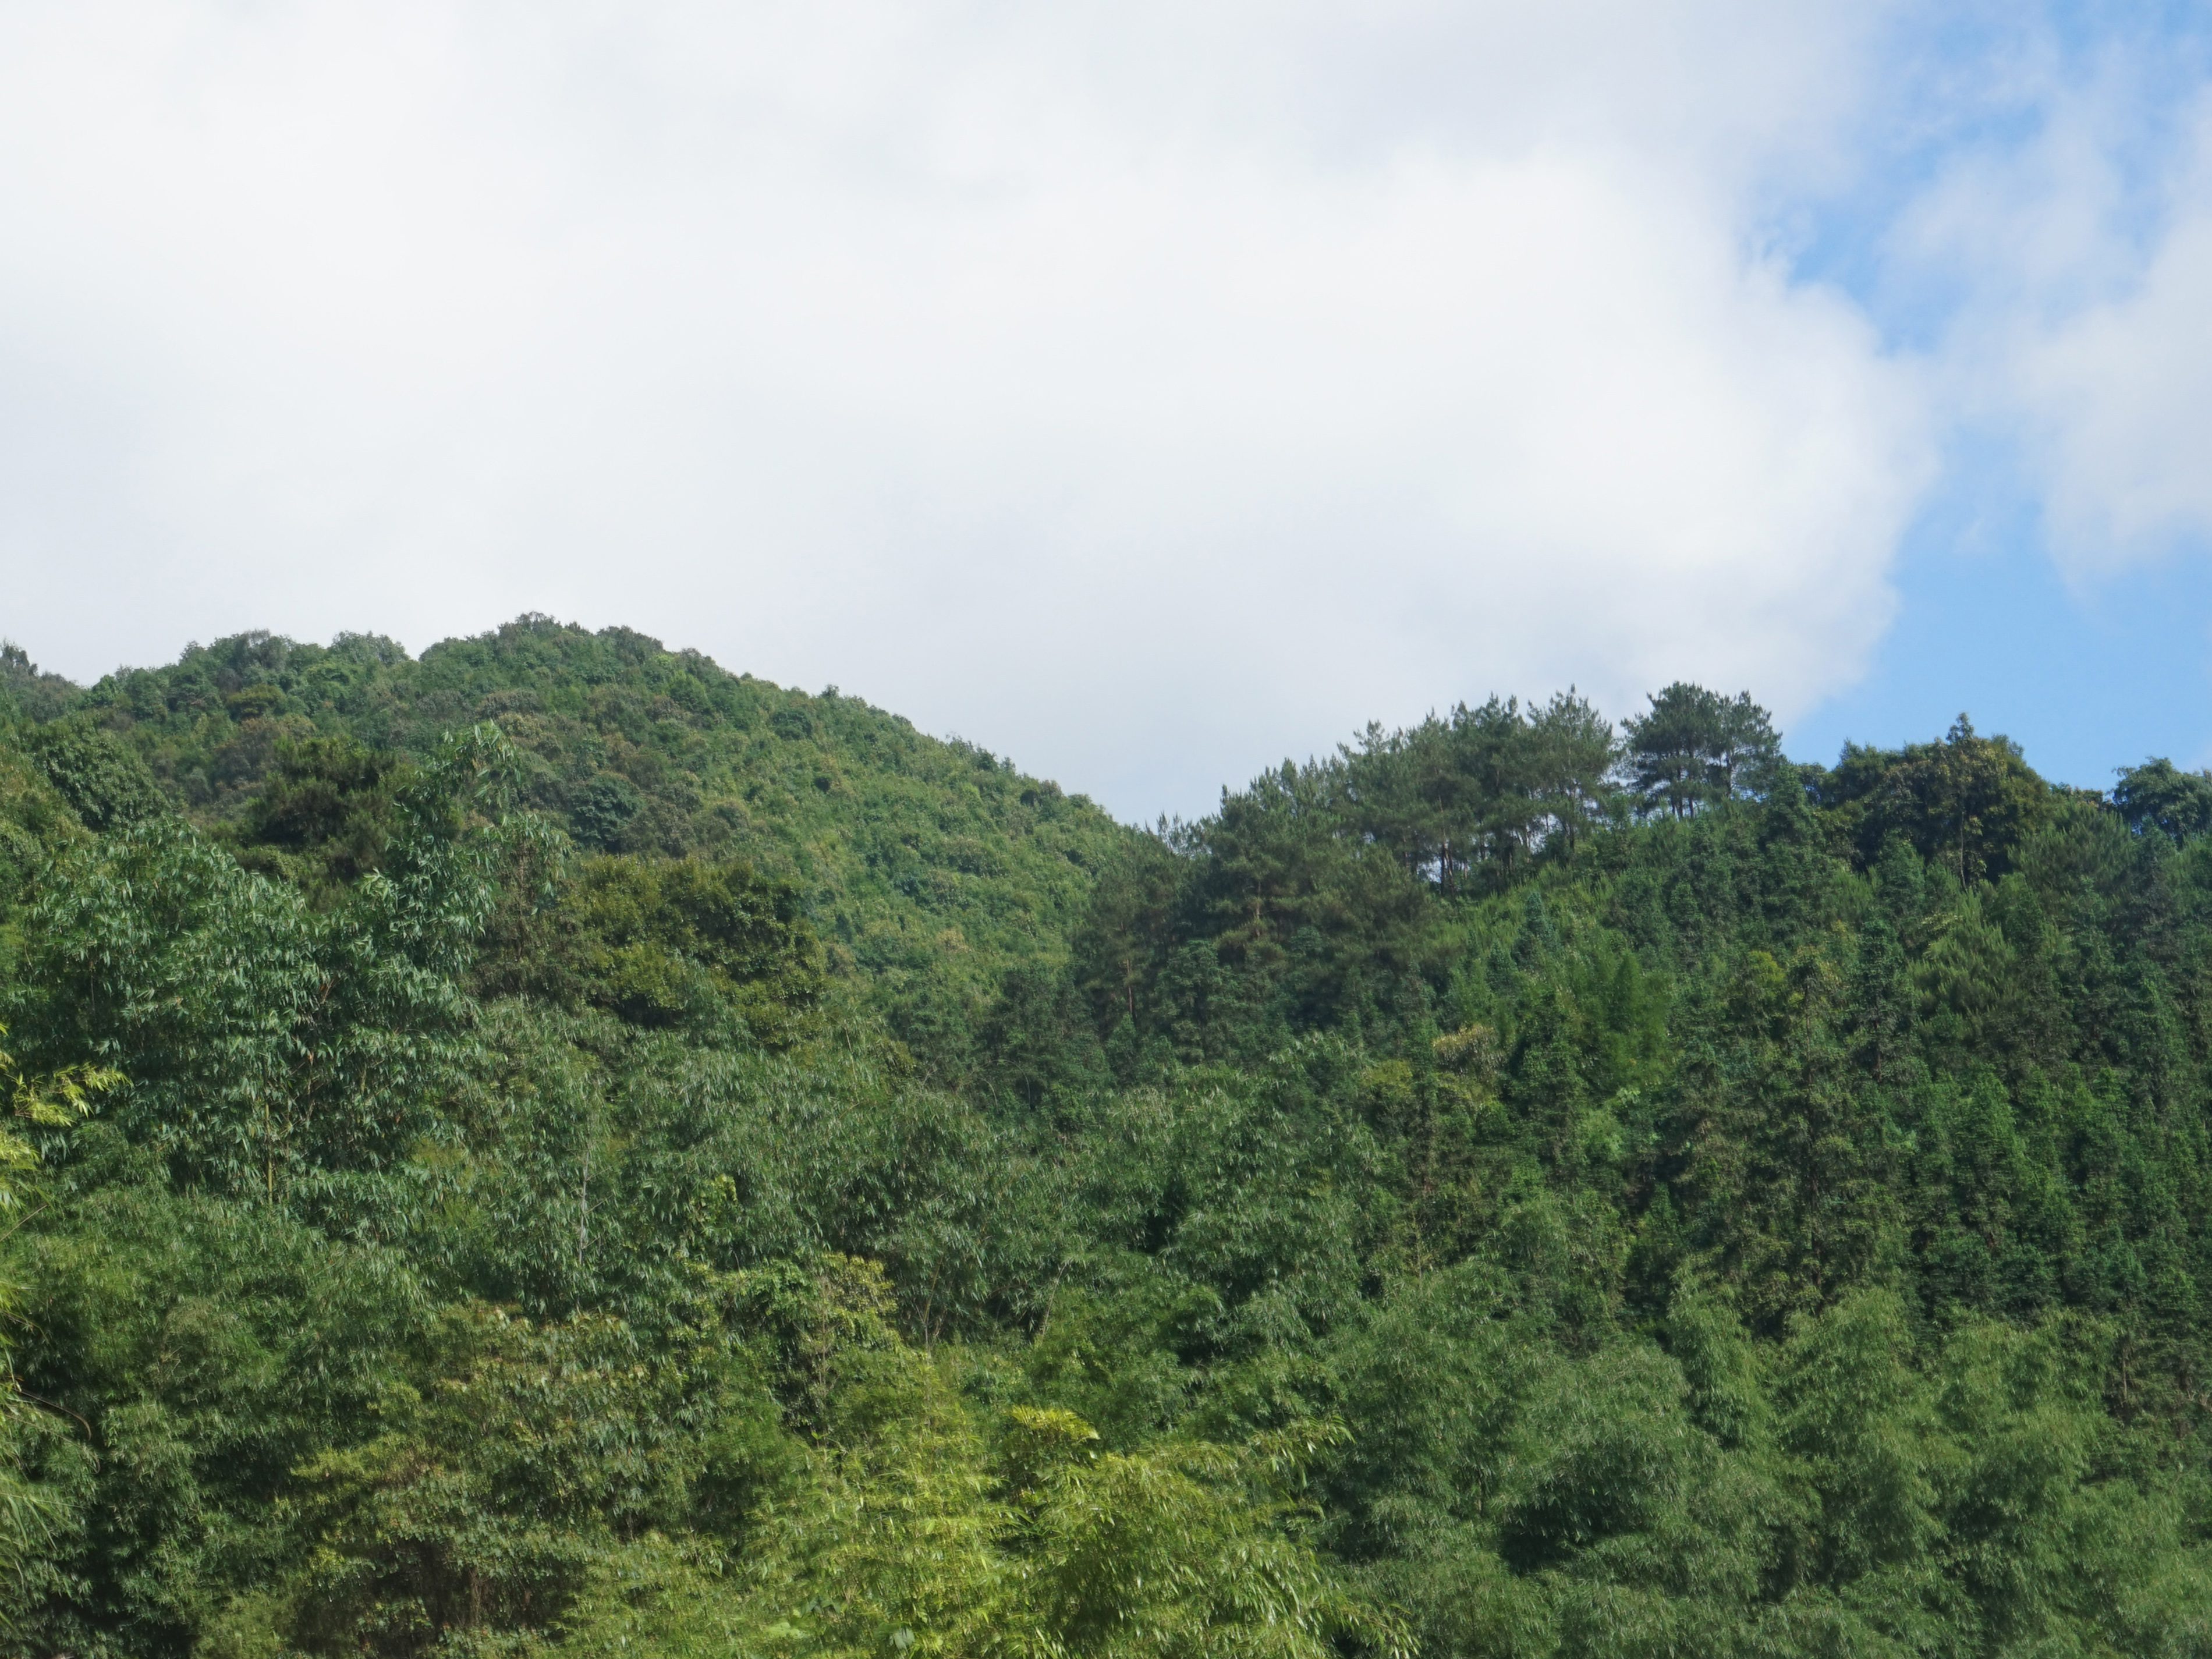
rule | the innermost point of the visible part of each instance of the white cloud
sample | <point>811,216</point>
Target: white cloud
<point>2068,242</point>
<point>1145,390</point>
<point>2117,391</point>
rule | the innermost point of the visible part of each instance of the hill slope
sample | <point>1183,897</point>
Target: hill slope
<point>1512,1186</point>
<point>930,868</point>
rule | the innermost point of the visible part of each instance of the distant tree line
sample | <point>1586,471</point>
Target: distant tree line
<point>1470,796</point>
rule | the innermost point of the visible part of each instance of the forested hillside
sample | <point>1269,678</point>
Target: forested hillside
<point>551,1148</point>
<point>926,868</point>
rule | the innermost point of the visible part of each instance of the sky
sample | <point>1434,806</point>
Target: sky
<point>1147,391</point>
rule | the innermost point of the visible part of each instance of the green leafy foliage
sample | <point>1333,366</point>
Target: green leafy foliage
<point>550,1148</point>
<point>2155,796</point>
<point>101,778</point>
<point>928,869</point>
<point>1967,802</point>
<point>327,813</point>
<point>1694,747</point>
<point>671,942</point>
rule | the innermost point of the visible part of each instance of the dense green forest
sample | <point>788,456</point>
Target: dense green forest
<point>550,1148</point>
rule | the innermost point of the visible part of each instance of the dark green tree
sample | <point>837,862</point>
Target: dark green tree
<point>1694,747</point>
<point>1969,803</point>
<point>2155,796</point>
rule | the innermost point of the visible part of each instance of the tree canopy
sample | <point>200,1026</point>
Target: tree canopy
<point>548,1147</point>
